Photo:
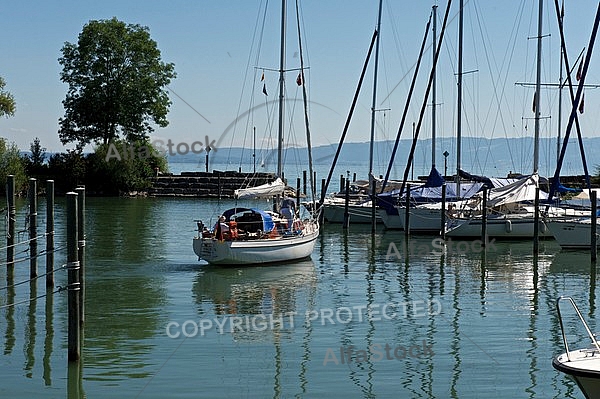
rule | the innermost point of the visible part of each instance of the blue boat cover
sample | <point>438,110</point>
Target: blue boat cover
<point>434,179</point>
<point>268,223</point>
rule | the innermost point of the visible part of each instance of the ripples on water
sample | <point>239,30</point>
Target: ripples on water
<point>494,335</point>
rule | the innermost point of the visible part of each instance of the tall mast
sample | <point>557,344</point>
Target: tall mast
<point>433,97</point>
<point>538,85</point>
<point>459,98</point>
<point>374,103</point>
<point>281,91</point>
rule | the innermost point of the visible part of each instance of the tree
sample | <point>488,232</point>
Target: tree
<point>11,163</point>
<point>116,84</point>
<point>7,101</point>
<point>34,163</point>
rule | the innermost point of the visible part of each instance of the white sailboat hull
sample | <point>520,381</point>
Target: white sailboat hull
<point>423,220</point>
<point>269,250</point>
<point>573,233</point>
<point>359,214</point>
<point>584,368</point>
<point>506,226</point>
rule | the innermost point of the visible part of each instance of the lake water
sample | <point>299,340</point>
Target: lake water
<point>347,323</point>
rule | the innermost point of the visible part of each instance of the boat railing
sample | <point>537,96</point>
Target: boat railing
<point>562,328</point>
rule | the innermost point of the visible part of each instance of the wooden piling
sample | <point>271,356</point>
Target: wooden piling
<point>50,233</point>
<point>304,182</point>
<point>342,182</point>
<point>81,249</point>
<point>74,325</point>
<point>407,212</point>
<point>298,194</point>
<point>536,221</point>
<point>32,194</point>
<point>346,223</point>
<point>321,210</point>
<point>593,238</point>
<point>443,213</point>
<point>484,217</point>
<point>12,214</point>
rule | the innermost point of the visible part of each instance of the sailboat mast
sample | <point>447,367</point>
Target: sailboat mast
<point>374,103</point>
<point>281,90</point>
<point>433,91</point>
<point>459,97</point>
<point>538,85</point>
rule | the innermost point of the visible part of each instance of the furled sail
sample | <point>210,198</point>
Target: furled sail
<point>263,191</point>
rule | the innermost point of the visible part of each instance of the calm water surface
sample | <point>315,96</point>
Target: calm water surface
<point>477,325</point>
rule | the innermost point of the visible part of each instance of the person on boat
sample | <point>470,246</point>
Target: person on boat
<point>221,228</point>
<point>288,211</point>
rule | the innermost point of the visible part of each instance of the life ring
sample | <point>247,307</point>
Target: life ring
<point>508,226</point>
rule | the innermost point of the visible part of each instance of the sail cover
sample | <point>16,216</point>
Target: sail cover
<point>263,191</point>
<point>520,191</point>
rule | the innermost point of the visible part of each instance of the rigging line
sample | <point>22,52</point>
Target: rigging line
<point>186,103</point>
<point>34,278</point>
<point>259,29</point>
<point>59,289</point>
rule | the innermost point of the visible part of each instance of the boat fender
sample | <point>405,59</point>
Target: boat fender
<point>543,227</point>
<point>508,226</point>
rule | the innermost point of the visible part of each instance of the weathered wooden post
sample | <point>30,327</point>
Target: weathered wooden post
<point>73,338</point>
<point>594,224</point>
<point>50,233</point>
<point>346,206</point>
<point>484,218</point>
<point>342,182</point>
<point>12,214</point>
<point>304,182</point>
<point>32,228</point>
<point>443,213</point>
<point>81,249</point>
<point>322,204</point>
<point>297,194</point>
<point>536,220</point>
<point>407,212</point>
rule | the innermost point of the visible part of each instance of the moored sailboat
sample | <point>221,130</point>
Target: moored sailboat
<point>251,236</point>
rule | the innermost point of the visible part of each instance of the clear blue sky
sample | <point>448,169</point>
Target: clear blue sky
<point>210,44</point>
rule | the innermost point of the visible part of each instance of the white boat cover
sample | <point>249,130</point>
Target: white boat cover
<point>520,191</point>
<point>263,191</point>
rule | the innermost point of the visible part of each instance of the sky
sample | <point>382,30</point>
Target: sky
<point>213,45</point>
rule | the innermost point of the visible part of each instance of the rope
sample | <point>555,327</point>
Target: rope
<point>41,253</point>
<point>33,279</point>
<point>26,241</point>
<point>59,289</point>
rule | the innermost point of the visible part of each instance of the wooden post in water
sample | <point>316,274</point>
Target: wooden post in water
<point>484,217</point>
<point>536,221</point>
<point>12,214</point>
<point>219,186</point>
<point>407,212</point>
<point>354,177</point>
<point>304,182</point>
<point>321,210</point>
<point>81,249</point>
<point>346,206</point>
<point>32,228</point>
<point>443,213</point>
<point>593,238</point>
<point>342,182</point>
<point>50,233</point>
<point>297,195</point>
<point>74,325</point>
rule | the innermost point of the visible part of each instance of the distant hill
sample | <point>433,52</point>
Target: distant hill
<point>493,157</point>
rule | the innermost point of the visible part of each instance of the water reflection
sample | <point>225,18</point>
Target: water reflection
<point>259,290</point>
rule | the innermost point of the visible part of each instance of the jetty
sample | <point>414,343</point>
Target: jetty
<point>215,184</point>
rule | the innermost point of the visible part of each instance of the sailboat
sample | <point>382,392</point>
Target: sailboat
<point>244,236</point>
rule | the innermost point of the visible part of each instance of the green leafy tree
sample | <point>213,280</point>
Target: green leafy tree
<point>121,167</point>
<point>116,84</point>
<point>34,163</point>
<point>11,163</point>
<point>7,101</point>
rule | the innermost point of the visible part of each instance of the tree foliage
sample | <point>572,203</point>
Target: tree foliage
<point>7,101</point>
<point>11,163</point>
<point>116,84</point>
